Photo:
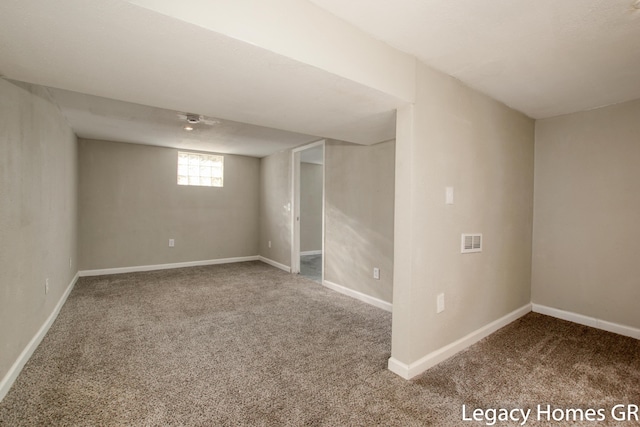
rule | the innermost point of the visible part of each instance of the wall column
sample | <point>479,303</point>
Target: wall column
<point>403,241</point>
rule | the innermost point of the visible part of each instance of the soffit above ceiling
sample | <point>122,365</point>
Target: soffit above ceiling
<point>116,50</point>
<point>543,58</point>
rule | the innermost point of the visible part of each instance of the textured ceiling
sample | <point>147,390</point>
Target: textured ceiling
<point>114,49</point>
<point>543,57</point>
<point>94,117</point>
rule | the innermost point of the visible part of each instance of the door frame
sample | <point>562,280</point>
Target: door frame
<point>295,203</point>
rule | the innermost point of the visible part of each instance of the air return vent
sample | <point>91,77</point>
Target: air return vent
<point>471,243</point>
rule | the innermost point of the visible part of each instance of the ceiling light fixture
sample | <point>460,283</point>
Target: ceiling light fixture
<point>193,118</point>
<point>188,128</point>
<point>197,119</point>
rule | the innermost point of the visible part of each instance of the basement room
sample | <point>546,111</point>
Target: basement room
<point>319,213</point>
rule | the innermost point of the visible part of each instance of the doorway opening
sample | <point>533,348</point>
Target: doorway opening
<point>307,249</point>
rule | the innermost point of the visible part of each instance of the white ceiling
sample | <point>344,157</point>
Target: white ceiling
<point>117,50</point>
<point>543,57</point>
<point>94,117</point>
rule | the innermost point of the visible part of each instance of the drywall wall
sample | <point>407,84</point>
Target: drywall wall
<point>38,214</point>
<point>130,206</point>
<point>275,207</point>
<point>359,216</point>
<point>455,136</point>
<point>586,211</point>
<point>310,207</point>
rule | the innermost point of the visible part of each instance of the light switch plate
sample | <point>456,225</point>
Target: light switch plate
<point>440,304</point>
<point>448,198</point>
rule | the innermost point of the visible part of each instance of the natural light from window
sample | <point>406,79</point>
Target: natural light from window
<point>205,170</point>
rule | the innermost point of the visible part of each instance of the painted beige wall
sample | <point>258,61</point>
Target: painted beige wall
<point>455,136</point>
<point>587,205</point>
<point>38,213</point>
<point>310,207</point>
<point>275,212</point>
<point>130,206</point>
<point>359,216</point>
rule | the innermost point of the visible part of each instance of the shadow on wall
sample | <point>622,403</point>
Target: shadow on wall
<point>352,250</point>
<point>359,222</point>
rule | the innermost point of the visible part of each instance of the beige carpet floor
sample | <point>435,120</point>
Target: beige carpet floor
<point>247,344</point>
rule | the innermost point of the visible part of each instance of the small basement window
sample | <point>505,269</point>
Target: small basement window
<point>205,170</point>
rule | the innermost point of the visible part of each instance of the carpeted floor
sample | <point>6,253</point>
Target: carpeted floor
<point>311,267</point>
<point>247,344</point>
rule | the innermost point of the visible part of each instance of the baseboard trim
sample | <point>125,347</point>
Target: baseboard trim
<point>387,306</point>
<point>23,358</point>
<point>138,268</point>
<point>318,252</point>
<point>274,264</point>
<point>408,371</point>
<point>616,328</point>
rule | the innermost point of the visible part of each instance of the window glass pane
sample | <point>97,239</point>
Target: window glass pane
<point>200,169</point>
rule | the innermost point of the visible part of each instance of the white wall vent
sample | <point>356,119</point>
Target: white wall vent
<point>471,243</point>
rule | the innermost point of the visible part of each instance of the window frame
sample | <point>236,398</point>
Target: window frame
<point>197,169</point>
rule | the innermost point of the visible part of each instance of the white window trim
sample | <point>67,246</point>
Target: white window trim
<point>200,169</point>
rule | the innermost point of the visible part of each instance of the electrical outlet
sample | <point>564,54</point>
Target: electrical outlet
<point>440,303</point>
<point>172,243</point>
<point>46,286</point>
<point>269,244</point>
<point>376,273</point>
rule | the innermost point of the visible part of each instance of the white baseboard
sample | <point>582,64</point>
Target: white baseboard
<point>119,270</point>
<point>359,296</point>
<point>408,371</point>
<point>274,264</point>
<point>588,321</point>
<point>16,368</point>
<point>318,252</point>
